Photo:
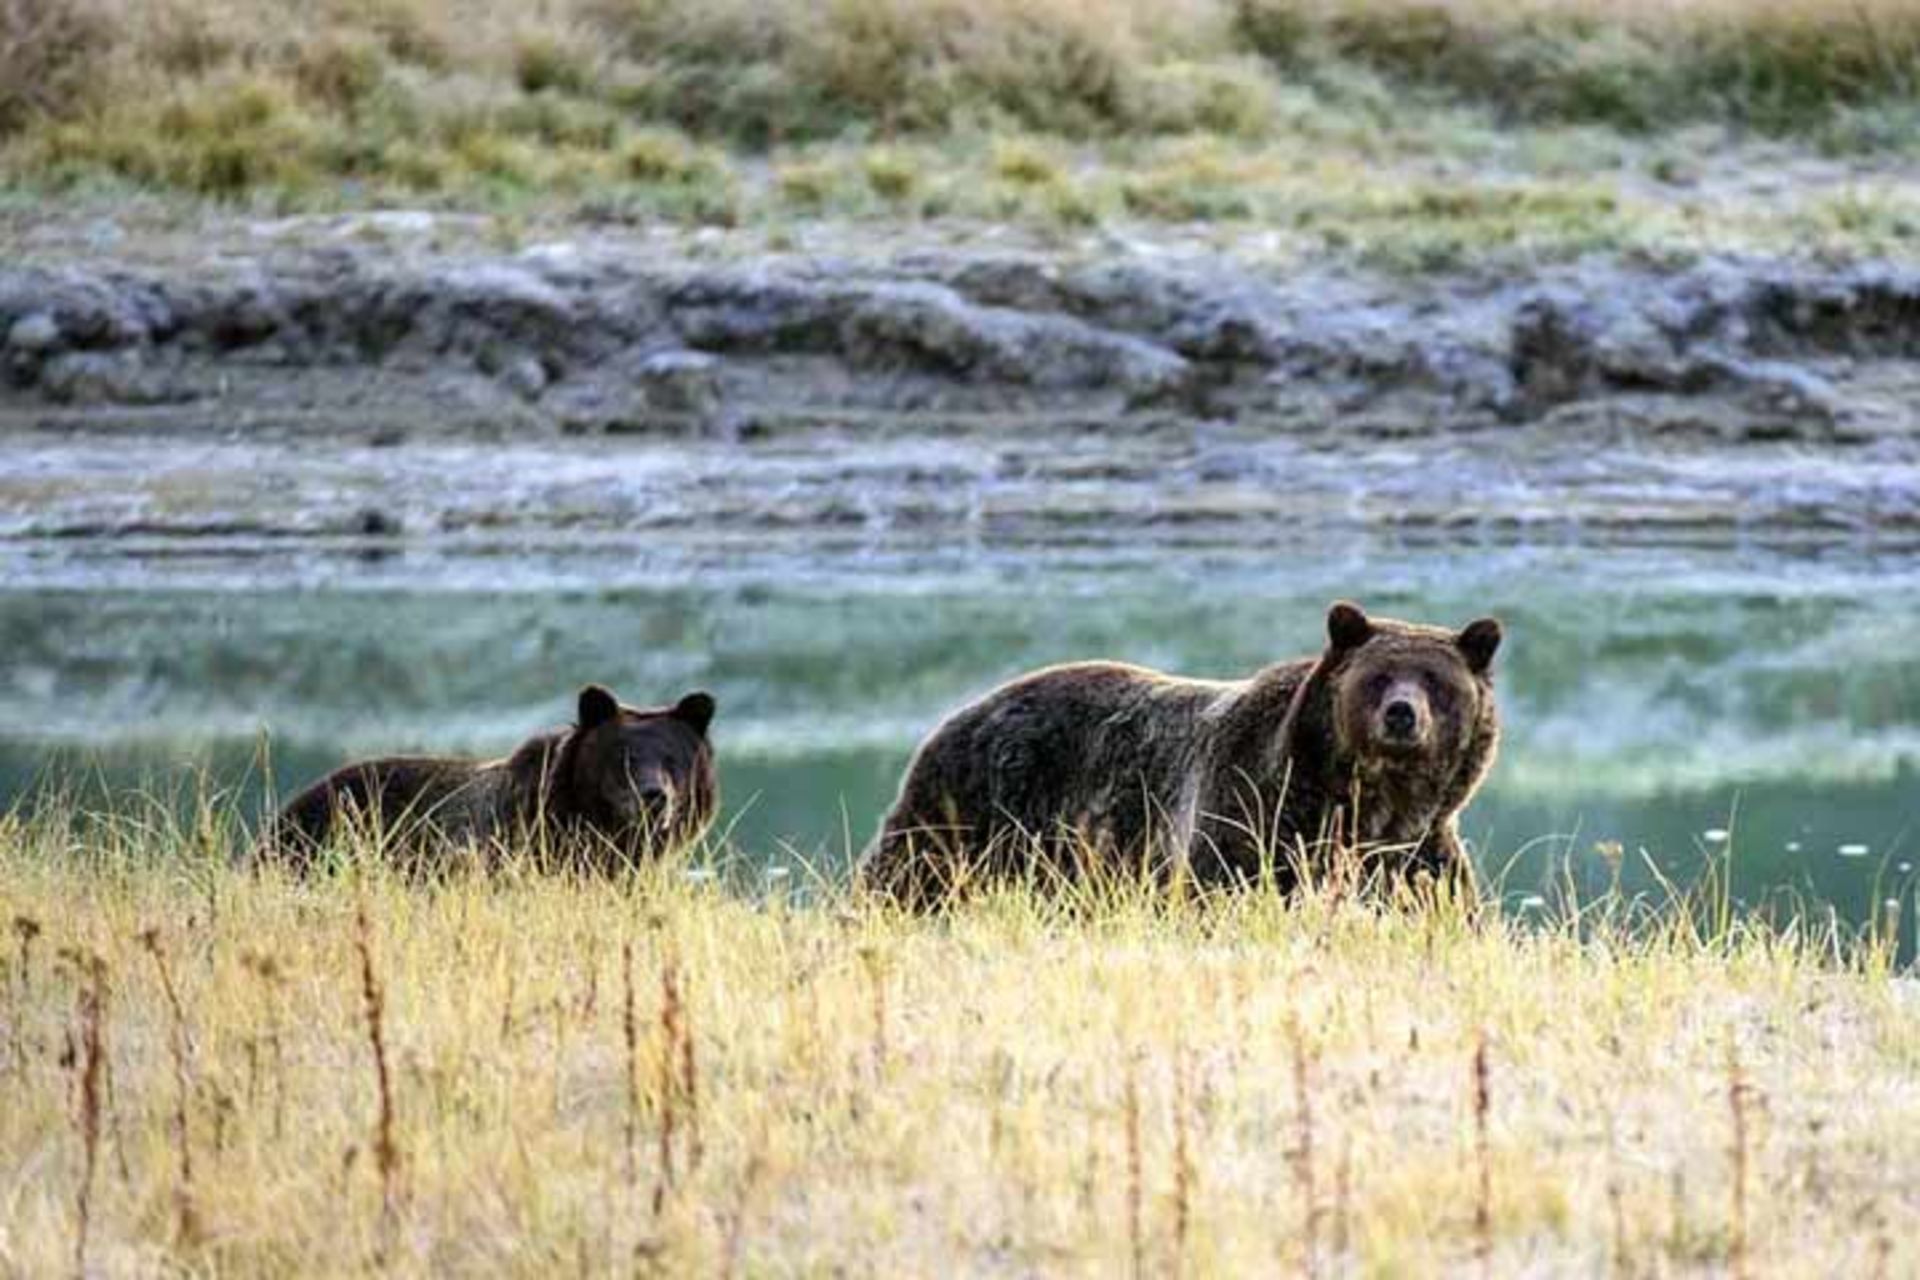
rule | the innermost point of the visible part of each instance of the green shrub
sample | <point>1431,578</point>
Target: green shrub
<point>221,139</point>
<point>663,158</point>
<point>808,185</point>
<point>561,122</point>
<point>1772,64</point>
<point>1236,97</point>
<point>413,31</point>
<point>185,40</point>
<point>548,60</point>
<point>1023,163</point>
<point>341,70</point>
<point>758,72</point>
<point>891,173</point>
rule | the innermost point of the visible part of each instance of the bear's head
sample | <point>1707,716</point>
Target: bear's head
<point>1408,698</point>
<point>641,775</point>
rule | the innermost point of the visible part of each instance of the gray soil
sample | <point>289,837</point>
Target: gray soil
<point>376,378</point>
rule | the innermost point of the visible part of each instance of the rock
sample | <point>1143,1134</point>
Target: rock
<point>1784,400</point>
<point>105,378</point>
<point>592,338</point>
<point>1870,310</point>
<point>525,377</point>
<point>372,522</point>
<point>249,317</point>
<point>1552,348</point>
<point>932,328</point>
<point>671,391</point>
<point>100,310</point>
<point>34,334</point>
<point>1232,329</point>
<point>508,288</point>
<point>750,312</point>
<point>684,382</point>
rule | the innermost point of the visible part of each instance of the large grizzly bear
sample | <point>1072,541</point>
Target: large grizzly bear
<point>620,785</point>
<point>1376,745</point>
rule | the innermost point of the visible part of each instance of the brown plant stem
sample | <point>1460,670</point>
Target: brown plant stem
<point>186,1220</point>
<point>92,1064</point>
<point>386,1148</point>
<point>1483,1156</point>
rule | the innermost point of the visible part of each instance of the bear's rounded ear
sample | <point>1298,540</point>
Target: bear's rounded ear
<point>696,710</point>
<point>1347,626</point>
<point>1479,641</point>
<point>597,706</point>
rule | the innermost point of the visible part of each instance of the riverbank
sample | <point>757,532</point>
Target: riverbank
<point>620,382</point>
<point>525,1074</point>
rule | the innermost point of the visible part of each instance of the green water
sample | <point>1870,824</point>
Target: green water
<point>1652,696</point>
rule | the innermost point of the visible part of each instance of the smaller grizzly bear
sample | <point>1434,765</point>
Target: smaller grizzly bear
<point>620,785</point>
<point>1377,744</point>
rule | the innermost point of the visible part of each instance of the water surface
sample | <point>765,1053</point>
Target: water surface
<point>1680,701</point>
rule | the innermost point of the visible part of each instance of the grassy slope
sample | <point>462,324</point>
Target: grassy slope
<point>1423,130</point>
<point>1009,1090</point>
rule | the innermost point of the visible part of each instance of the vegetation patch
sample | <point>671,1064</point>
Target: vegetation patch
<point>358,101</point>
<point>215,1070</point>
<point>49,55</point>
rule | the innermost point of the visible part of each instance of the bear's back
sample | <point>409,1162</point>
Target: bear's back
<point>412,802</point>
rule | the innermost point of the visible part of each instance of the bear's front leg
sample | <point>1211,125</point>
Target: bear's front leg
<point>1442,858</point>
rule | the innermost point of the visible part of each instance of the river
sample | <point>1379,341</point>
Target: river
<point>1758,703</point>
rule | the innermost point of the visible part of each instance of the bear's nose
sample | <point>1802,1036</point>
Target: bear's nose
<point>1400,718</point>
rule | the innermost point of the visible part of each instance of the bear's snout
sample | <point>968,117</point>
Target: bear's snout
<point>1404,718</point>
<point>654,801</point>
<point>647,800</point>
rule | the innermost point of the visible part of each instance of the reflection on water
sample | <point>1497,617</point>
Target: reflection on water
<point>1678,702</point>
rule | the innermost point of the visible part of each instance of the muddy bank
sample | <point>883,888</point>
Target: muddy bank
<point>567,337</point>
<point>1183,486</point>
<point>937,384</point>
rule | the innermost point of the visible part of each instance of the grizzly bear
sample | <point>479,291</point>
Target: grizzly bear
<point>1375,746</point>
<point>620,785</point>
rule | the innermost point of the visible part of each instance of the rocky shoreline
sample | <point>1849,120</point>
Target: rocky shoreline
<point>928,383</point>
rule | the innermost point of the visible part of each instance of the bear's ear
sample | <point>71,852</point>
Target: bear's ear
<point>1347,626</point>
<point>1479,641</point>
<point>696,710</point>
<point>597,706</point>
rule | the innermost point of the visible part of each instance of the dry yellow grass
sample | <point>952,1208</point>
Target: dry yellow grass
<point>1260,1087</point>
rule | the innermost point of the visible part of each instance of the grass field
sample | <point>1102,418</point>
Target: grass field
<point>215,1073</point>
<point>1434,127</point>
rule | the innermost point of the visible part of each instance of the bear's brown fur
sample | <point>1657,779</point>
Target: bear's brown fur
<point>619,785</point>
<point>1377,744</point>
